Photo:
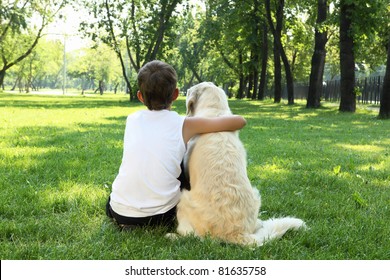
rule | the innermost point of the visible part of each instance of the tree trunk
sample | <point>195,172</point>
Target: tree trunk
<point>318,59</point>
<point>101,87</point>
<point>264,61</point>
<point>287,69</point>
<point>255,55</point>
<point>289,76</point>
<point>384,111</point>
<point>347,60</point>
<point>249,89</point>
<point>8,65</point>
<point>165,14</point>
<point>196,75</point>
<point>255,84</point>
<point>118,52</point>
<point>2,76</point>
<point>277,64</point>
<point>241,88</point>
<point>279,50</point>
<point>17,81</point>
<point>277,75</point>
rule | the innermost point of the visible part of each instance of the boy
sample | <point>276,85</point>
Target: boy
<point>146,189</point>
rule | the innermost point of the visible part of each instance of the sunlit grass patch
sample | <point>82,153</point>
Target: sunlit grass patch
<point>362,148</point>
<point>60,154</point>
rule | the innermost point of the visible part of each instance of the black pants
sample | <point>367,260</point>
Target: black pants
<point>167,219</point>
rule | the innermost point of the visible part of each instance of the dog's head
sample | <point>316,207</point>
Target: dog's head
<point>207,99</point>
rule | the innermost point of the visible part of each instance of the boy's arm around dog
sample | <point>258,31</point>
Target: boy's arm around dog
<point>199,125</point>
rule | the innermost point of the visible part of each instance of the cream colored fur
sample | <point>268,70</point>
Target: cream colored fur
<point>222,203</point>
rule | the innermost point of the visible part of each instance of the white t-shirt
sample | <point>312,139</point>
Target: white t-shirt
<point>147,184</point>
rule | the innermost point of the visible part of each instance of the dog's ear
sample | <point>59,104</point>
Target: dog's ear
<point>191,99</point>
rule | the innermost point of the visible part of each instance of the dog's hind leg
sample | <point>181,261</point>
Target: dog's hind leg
<point>248,240</point>
<point>185,227</point>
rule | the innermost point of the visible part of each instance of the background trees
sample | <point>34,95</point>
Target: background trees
<point>41,69</point>
<point>96,69</point>
<point>134,29</point>
<point>362,25</point>
<point>21,26</point>
<point>239,45</point>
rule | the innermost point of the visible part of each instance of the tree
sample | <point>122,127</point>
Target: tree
<point>96,68</point>
<point>229,30</point>
<point>347,58</point>
<point>191,42</point>
<point>255,43</point>
<point>20,30</point>
<point>318,58</point>
<point>362,25</point>
<point>384,111</point>
<point>134,29</point>
<point>276,50</point>
<point>41,69</point>
<point>279,51</point>
<point>264,62</point>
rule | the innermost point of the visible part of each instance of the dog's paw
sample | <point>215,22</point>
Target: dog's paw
<point>172,236</point>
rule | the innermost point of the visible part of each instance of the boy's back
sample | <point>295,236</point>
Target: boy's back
<point>153,150</point>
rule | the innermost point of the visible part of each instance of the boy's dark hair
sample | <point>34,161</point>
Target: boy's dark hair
<point>157,82</point>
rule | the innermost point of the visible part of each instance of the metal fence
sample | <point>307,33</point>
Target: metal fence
<point>368,90</point>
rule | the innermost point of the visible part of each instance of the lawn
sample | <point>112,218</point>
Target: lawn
<point>60,154</point>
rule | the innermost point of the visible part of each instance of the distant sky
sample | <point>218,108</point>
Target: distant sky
<point>69,26</point>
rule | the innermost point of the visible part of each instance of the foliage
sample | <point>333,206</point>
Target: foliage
<point>217,40</point>
<point>192,48</point>
<point>233,31</point>
<point>21,26</point>
<point>133,28</point>
<point>90,65</point>
<point>370,29</point>
<point>44,68</point>
<point>60,154</point>
<point>39,70</point>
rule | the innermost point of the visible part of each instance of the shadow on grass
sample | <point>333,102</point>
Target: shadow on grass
<point>65,102</point>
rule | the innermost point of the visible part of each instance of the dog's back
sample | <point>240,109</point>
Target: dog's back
<point>219,182</point>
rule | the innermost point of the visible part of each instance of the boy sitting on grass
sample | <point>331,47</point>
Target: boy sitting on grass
<point>146,189</point>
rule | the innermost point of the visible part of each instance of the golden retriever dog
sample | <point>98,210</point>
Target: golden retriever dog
<point>222,202</point>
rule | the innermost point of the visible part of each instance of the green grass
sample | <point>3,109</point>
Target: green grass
<point>60,154</point>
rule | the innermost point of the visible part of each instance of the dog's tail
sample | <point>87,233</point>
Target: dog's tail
<point>276,228</point>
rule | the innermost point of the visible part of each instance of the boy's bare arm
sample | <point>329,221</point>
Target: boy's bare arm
<point>198,125</point>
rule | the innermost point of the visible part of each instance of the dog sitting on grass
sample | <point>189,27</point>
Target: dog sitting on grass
<point>222,202</point>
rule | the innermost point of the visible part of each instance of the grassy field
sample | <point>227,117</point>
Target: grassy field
<point>60,154</point>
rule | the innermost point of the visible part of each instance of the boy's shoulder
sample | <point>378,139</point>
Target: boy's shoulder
<point>136,114</point>
<point>154,114</point>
